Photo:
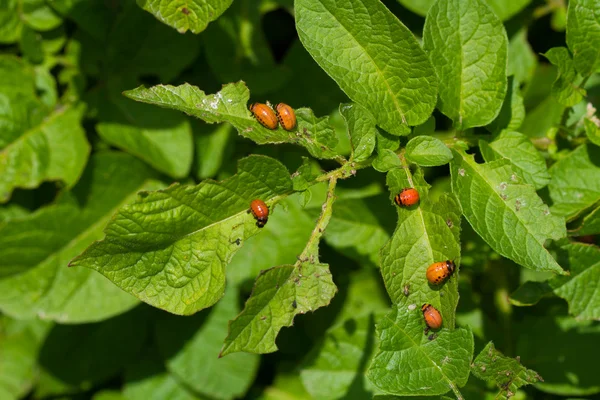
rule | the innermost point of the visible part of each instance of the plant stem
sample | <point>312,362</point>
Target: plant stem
<point>311,251</point>
<point>457,392</point>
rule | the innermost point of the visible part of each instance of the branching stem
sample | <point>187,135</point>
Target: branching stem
<point>311,251</point>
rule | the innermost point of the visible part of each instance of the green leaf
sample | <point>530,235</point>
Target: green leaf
<point>526,162</point>
<point>361,130</point>
<point>151,47</point>
<point>575,183</point>
<point>162,138</point>
<point>529,293</point>
<point>592,130</point>
<point>346,37</point>
<point>505,9</point>
<point>196,364</point>
<point>279,294</point>
<point>468,47</point>
<point>512,113</point>
<point>522,61</point>
<point>565,88</point>
<point>55,149</point>
<point>387,141</point>
<point>212,145</point>
<point>170,247</point>
<point>39,15</point>
<point>237,49</point>
<point>20,107</point>
<point>589,225</point>
<point>427,151</point>
<point>335,367</point>
<point>19,345</point>
<point>407,363</point>
<point>108,395</point>
<point>580,288</point>
<point>566,358</point>
<point>38,282</point>
<point>192,15</point>
<point>386,160</point>
<point>425,234</point>
<point>359,227</point>
<point>506,373</point>
<point>506,213</point>
<point>10,22</point>
<point>109,346</point>
<point>583,35</point>
<point>543,118</point>
<point>146,379</point>
<point>339,359</point>
<point>305,174</point>
<point>417,6</point>
<point>229,105</point>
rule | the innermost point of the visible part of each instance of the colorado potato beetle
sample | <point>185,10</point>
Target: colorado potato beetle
<point>286,116</point>
<point>260,211</point>
<point>264,114</point>
<point>438,272</point>
<point>407,197</point>
<point>433,318</point>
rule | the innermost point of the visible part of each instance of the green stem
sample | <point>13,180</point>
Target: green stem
<point>457,392</point>
<point>311,251</point>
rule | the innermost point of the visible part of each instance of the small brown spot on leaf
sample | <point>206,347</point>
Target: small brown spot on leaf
<point>185,11</point>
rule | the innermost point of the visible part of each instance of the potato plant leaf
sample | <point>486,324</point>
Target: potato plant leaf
<point>55,149</point>
<point>361,129</point>
<point>580,288</point>
<point>37,282</point>
<point>575,183</point>
<point>386,160</point>
<point>372,56</point>
<point>468,46</point>
<point>526,160</point>
<point>565,88</point>
<point>197,364</point>
<point>407,363</point>
<point>192,15</point>
<point>170,248</point>
<point>506,373</point>
<point>147,379</point>
<point>589,225</point>
<point>331,372</point>
<point>279,295</point>
<point>230,105</point>
<point>505,212</point>
<point>427,151</point>
<point>512,113</point>
<point>583,35</point>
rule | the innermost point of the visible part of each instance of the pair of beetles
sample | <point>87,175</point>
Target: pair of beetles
<point>283,114</point>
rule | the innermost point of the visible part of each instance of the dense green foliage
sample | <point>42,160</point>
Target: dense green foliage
<point>132,268</point>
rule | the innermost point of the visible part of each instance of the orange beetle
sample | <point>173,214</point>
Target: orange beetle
<point>264,114</point>
<point>260,211</point>
<point>439,271</point>
<point>433,318</point>
<point>286,116</point>
<point>407,197</point>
